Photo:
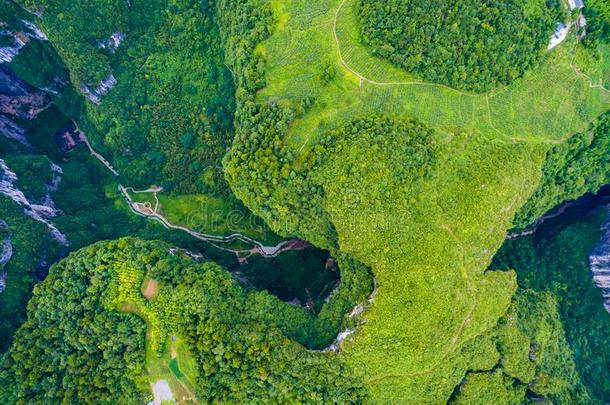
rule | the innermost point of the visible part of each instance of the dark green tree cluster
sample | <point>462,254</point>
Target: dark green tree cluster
<point>470,45</point>
<point>243,356</point>
<point>32,245</point>
<point>78,346</point>
<point>579,165</point>
<point>525,356</point>
<point>71,349</point>
<point>597,13</point>
<point>555,261</point>
<point>75,29</point>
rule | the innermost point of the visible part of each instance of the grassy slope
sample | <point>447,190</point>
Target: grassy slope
<point>209,214</point>
<point>542,105</point>
<point>214,215</point>
<point>428,252</point>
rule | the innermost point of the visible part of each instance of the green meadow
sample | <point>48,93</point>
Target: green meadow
<point>209,214</point>
<point>548,104</point>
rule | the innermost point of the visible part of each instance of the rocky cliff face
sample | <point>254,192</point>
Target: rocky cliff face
<point>41,211</point>
<point>10,130</point>
<point>599,261</point>
<point>18,99</point>
<point>112,43</point>
<point>17,37</point>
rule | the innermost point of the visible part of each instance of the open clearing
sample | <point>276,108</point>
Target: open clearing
<point>161,392</point>
<point>150,288</point>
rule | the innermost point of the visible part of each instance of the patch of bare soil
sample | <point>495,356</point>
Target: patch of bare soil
<point>150,289</point>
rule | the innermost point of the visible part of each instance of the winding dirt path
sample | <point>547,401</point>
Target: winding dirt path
<point>258,247</point>
<point>95,154</point>
<point>588,78</point>
<point>148,212</point>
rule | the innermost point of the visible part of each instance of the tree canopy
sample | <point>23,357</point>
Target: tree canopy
<point>470,45</point>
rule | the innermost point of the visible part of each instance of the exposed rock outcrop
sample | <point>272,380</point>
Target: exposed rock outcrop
<point>95,94</point>
<point>599,261</point>
<point>111,44</point>
<point>20,37</point>
<point>11,130</point>
<point>42,212</point>
<point>18,99</point>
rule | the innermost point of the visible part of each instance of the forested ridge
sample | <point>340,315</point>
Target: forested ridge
<point>578,166</point>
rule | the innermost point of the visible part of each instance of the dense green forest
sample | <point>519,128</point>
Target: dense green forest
<point>91,312</point>
<point>82,310</point>
<point>532,358</point>
<point>168,120</point>
<point>468,45</point>
<point>410,202</point>
<point>555,261</point>
<point>597,13</point>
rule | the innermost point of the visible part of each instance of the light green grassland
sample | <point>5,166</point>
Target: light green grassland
<point>209,214</point>
<point>549,103</point>
<point>598,68</point>
<point>429,242</point>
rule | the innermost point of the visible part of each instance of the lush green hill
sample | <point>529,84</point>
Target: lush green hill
<point>324,150</point>
<point>92,312</point>
<point>472,45</point>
